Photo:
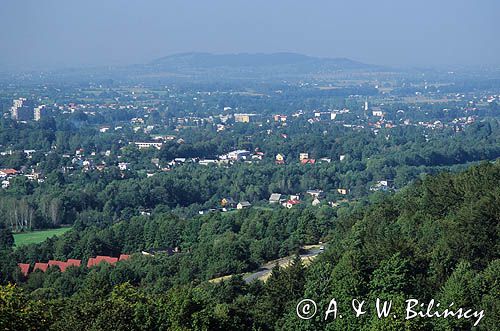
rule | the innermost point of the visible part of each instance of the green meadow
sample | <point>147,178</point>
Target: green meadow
<point>33,237</point>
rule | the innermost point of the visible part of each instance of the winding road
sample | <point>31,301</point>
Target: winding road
<point>267,268</point>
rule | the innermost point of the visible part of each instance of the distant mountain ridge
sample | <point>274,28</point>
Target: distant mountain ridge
<point>256,60</point>
<point>208,67</point>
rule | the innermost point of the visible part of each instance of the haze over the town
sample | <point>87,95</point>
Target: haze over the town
<point>60,33</point>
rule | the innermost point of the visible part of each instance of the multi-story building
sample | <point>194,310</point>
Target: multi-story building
<point>38,112</point>
<point>244,118</point>
<point>21,110</point>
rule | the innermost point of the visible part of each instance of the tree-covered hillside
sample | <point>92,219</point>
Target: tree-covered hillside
<point>436,239</point>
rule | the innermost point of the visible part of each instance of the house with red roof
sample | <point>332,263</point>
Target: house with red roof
<point>280,159</point>
<point>74,263</point>
<point>59,264</point>
<point>99,258</point>
<point>25,268</point>
<point>123,257</point>
<point>308,161</point>
<point>7,172</point>
<point>290,203</point>
<point>41,266</point>
<point>91,262</point>
<point>108,259</point>
<point>65,265</point>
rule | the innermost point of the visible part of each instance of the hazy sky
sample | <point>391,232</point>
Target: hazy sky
<point>38,33</point>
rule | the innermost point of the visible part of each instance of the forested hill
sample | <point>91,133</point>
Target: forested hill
<point>207,60</point>
<point>436,239</point>
<point>246,66</point>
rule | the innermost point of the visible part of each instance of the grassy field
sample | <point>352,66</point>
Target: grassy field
<point>34,237</point>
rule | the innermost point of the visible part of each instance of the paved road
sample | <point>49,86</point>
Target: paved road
<point>266,268</point>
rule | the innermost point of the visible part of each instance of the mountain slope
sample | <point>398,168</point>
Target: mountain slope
<point>257,63</point>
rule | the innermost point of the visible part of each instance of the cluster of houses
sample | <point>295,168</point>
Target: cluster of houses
<point>7,174</point>
<point>287,201</point>
<point>305,159</point>
<point>317,196</point>
<point>225,159</point>
<point>228,204</point>
<point>63,265</point>
<point>242,155</point>
<point>294,199</point>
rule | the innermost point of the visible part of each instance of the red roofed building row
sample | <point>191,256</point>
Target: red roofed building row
<point>93,261</point>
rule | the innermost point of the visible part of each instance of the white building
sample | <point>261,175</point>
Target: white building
<point>123,166</point>
<point>239,154</point>
<point>144,145</point>
<point>38,112</point>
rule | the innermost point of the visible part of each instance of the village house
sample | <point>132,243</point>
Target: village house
<point>5,173</point>
<point>207,162</point>
<point>308,161</point>
<point>41,266</point>
<point>228,202</point>
<point>316,202</point>
<point>342,191</point>
<point>280,118</point>
<point>243,205</point>
<point>381,185</point>
<point>275,198</point>
<point>29,153</point>
<point>166,250</point>
<point>87,164</point>
<point>257,156</point>
<point>239,154</point>
<point>25,268</point>
<point>93,261</point>
<point>377,112</point>
<point>244,118</point>
<point>33,176</point>
<point>123,166</point>
<point>280,159</point>
<point>290,203</point>
<point>323,115</point>
<point>145,145</point>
